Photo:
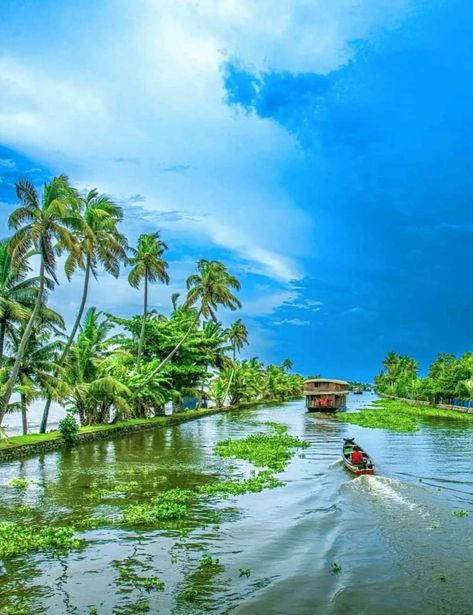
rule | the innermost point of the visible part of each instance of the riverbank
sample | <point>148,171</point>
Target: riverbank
<point>397,415</point>
<point>428,404</point>
<point>18,447</point>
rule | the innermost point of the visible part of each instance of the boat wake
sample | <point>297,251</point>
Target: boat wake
<point>390,493</point>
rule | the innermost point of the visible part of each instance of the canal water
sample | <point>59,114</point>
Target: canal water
<point>395,541</point>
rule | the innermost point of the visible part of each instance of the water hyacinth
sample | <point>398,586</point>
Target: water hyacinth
<point>263,450</point>
<point>16,539</point>
<point>399,416</point>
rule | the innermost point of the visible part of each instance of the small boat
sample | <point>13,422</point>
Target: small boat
<point>365,467</point>
<point>358,391</point>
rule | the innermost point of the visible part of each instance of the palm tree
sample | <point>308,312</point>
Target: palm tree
<point>211,287</point>
<point>238,336</point>
<point>40,223</point>
<point>148,265</point>
<point>287,365</point>
<point>40,372</point>
<point>94,391</point>
<point>101,244</point>
<point>17,291</point>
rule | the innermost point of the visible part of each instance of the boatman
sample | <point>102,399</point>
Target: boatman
<point>357,456</point>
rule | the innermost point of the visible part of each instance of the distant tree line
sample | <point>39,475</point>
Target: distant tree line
<point>363,386</point>
<point>449,378</point>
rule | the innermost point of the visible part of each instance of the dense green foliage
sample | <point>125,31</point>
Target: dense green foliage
<point>107,368</point>
<point>448,378</point>
<point>399,416</point>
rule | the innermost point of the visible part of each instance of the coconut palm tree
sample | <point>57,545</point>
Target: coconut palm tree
<point>17,291</point>
<point>93,391</point>
<point>39,224</point>
<point>237,335</point>
<point>210,287</point>
<point>287,365</point>
<point>40,372</point>
<point>148,265</point>
<point>100,244</point>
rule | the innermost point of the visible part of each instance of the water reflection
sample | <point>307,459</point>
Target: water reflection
<point>394,535</point>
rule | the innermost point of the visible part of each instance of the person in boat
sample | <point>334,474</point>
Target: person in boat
<point>357,457</point>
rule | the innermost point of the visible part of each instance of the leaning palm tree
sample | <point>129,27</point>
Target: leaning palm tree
<point>17,291</point>
<point>100,244</point>
<point>148,266</point>
<point>211,287</point>
<point>39,224</point>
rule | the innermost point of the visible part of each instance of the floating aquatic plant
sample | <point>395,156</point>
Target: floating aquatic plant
<point>190,594</point>
<point>263,450</point>
<point>336,568</point>
<point>399,416</point>
<point>461,513</point>
<point>245,572</point>
<point>16,539</point>
<point>19,483</point>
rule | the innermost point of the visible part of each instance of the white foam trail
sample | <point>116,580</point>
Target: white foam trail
<point>335,464</point>
<point>388,490</point>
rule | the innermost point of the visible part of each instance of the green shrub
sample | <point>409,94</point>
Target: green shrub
<point>69,429</point>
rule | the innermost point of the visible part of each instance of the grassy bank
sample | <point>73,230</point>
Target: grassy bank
<point>401,416</point>
<point>31,444</point>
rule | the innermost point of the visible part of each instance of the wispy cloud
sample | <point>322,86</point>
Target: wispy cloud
<point>295,322</point>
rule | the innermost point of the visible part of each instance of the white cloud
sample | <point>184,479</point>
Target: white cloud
<point>287,35</point>
<point>146,93</point>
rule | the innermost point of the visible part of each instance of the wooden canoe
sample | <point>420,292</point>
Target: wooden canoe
<point>366,467</point>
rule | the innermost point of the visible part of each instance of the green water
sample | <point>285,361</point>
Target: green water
<point>394,535</point>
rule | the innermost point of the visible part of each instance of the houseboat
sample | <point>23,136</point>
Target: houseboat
<point>323,395</point>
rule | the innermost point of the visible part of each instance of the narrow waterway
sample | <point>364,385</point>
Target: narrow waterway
<point>394,535</point>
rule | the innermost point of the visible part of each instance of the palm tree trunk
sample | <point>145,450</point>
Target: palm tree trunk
<point>3,327</point>
<point>22,347</point>
<point>70,339</point>
<point>175,349</point>
<point>143,324</point>
<point>24,414</point>
<point>228,386</point>
<point>231,375</point>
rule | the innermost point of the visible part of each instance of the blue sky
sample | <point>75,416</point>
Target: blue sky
<point>323,150</point>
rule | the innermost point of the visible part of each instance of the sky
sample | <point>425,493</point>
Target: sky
<point>322,150</point>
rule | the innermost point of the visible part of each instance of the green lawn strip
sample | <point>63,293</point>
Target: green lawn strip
<point>399,416</point>
<point>13,442</point>
<point>31,439</point>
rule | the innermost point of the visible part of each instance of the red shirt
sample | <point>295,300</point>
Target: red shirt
<point>357,457</point>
